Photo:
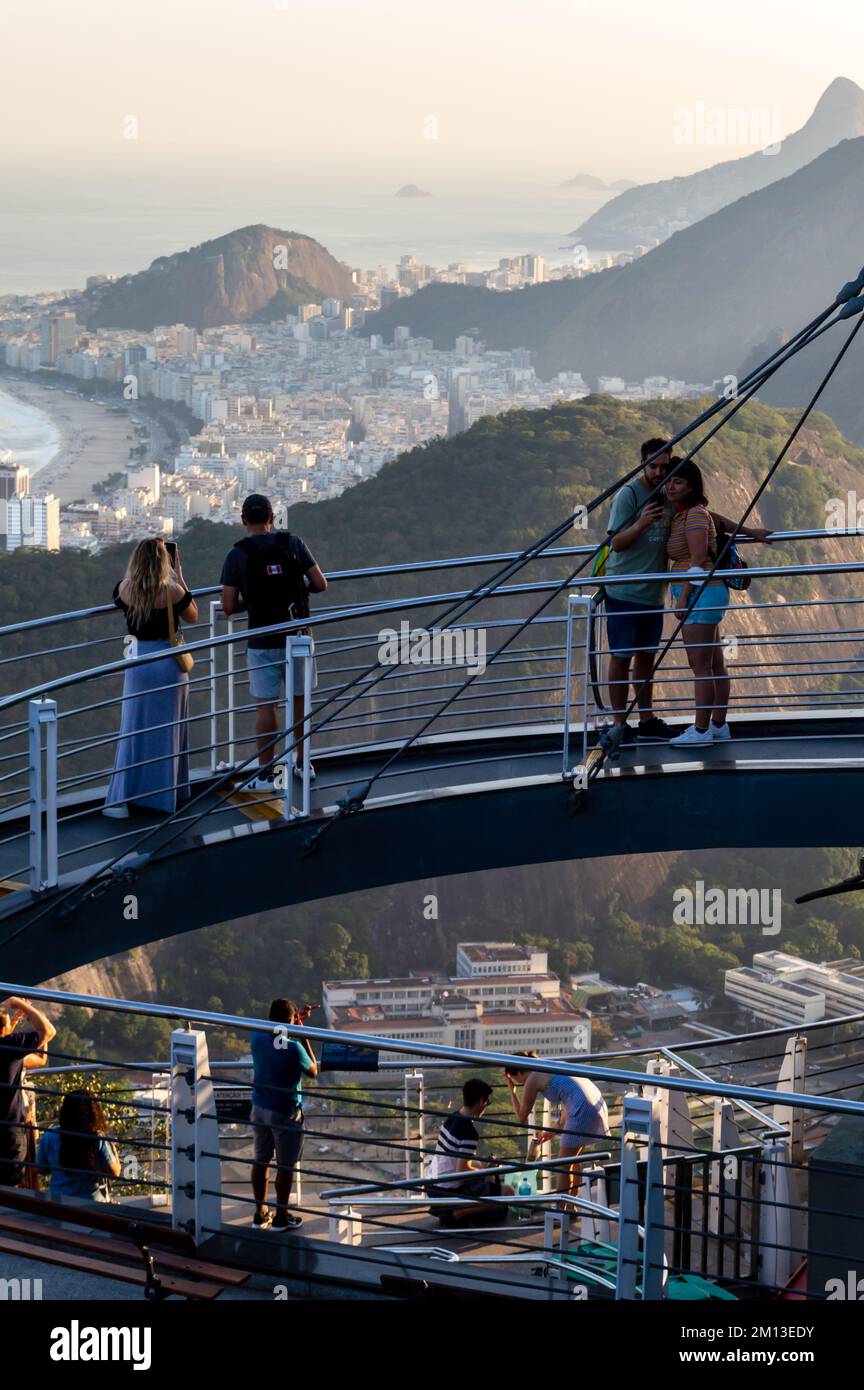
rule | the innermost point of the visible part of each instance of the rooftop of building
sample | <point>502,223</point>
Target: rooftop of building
<point>535,1009</point>
<point>764,977</point>
<point>462,981</point>
<point>479,951</point>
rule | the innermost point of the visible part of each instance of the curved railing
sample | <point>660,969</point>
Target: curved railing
<point>793,656</point>
<point>734,1191</point>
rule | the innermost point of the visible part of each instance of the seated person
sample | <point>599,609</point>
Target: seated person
<point>77,1153</point>
<point>457,1144</point>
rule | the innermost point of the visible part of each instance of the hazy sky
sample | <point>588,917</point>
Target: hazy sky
<point>412,90</point>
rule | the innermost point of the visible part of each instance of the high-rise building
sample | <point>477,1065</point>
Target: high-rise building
<point>14,477</point>
<point>461,383</point>
<point>59,332</point>
<point>187,341</point>
<point>32,521</point>
<point>144,475</point>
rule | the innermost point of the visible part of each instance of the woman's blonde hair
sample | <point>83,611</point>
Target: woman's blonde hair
<point>148,572</point>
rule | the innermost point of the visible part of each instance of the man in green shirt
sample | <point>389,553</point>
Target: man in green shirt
<point>639,524</point>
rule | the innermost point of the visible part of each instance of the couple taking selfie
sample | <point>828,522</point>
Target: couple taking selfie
<point>657,519</point>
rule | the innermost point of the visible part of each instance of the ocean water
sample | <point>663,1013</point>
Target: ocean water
<point>48,245</point>
<point>26,433</point>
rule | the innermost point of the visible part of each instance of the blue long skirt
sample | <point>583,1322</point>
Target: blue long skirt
<point>151,765</point>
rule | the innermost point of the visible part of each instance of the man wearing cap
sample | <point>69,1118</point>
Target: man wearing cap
<point>269,574</point>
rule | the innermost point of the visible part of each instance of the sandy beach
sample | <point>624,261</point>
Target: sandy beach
<point>71,443</point>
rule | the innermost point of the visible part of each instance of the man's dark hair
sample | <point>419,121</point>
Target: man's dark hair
<point>283,1011</point>
<point>257,509</point>
<point>475,1090</point>
<point>653,446</point>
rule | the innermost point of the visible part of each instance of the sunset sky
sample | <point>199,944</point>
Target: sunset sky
<point>426,92</point>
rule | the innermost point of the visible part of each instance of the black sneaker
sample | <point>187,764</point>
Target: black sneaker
<point>654,731</point>
<point>628,735</point>
<point>263,1220</point>
<point>286,1223</point>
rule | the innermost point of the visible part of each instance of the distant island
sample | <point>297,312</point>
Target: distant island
<point>591,184</point>
<point>410,190</point>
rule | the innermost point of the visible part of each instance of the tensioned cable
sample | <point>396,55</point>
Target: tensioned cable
<point>351,804</point>
<point>610,741</point>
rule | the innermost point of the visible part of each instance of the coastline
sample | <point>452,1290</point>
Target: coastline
<point>90,443</point>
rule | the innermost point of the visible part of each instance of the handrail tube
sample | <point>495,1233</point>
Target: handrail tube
<point>409,1184</point>
<point>404,1045</point>
<point>327,616</point>
<point>419,567</point>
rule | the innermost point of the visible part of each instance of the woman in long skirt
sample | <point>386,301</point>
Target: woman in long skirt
<point>151,764</point>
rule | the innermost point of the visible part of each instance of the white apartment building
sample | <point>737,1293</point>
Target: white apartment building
<point>780,988</point>
<point>502,999</point>
<point>32,521</point>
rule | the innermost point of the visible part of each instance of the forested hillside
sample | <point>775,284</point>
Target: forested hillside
<point>497,487</point>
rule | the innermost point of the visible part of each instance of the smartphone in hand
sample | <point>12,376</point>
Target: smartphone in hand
<point>171,547</point>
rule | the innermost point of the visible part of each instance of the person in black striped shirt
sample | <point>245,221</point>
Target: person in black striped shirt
<point>457,1145</point>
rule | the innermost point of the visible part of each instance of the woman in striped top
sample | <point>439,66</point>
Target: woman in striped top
<point>692,549</point>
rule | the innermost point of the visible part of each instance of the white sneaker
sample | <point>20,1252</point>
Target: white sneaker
<point>120,812</point>
<point>297,769</point>
<point>264,783</point>
<point>693,738</point>
<point>720,733</point>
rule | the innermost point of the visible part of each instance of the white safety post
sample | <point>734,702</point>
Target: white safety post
<point>301,649</point>
<point>776,1261</point>
<point>676,1127</point>
<point>724,1171</point>
<point>640,1128</point>
<point>217,612</point>
<point>160,1094</point>
<point>793,1077</point>
<point>345,1225</point>
<point>546,1177</point>
<point>196,1171</point>
<point>583,605</point>
<point>42,714</point>
<point>592,1188</point>
<point>413,1092</point>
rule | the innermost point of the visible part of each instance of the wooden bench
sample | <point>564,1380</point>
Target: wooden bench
<point>124,1252</point>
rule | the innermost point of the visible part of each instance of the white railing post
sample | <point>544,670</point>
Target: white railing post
<point>196,1171</point>
<point>412,1096</point>
<point>586,603</point>
<point>43,794</point>
<point>344,1225</point>
<point>300,648</point>
<point>216,611</point>
<point>640,1127</point>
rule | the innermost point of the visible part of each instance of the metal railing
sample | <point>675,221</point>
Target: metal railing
<point>794,655</point>
<point>664,1205</point>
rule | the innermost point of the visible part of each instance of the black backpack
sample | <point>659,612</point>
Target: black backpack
<point>731,560</point>
<point>274,586</point>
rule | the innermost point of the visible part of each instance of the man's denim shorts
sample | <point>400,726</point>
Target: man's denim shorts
<point>632,627</point>
<point>266,667</point>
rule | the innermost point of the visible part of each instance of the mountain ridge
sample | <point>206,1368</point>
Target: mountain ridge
<point>642,214</point>
<point>233,278</point>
